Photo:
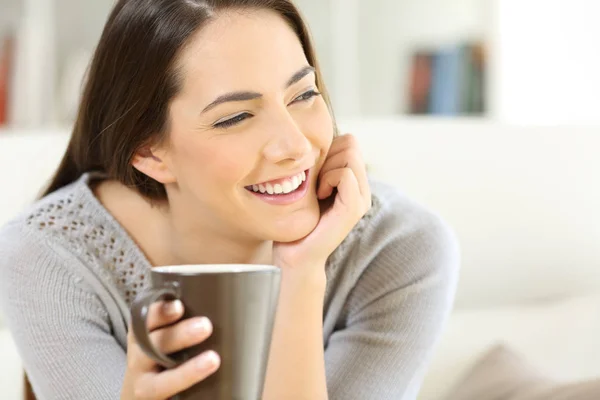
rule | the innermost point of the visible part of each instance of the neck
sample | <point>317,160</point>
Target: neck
<point>184,244</point>
<point>198,239</point>
<point>170,237</point>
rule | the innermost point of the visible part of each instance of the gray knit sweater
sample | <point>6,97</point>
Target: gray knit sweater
<point>69,272</point>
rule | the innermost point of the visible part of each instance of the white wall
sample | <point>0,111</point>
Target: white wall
<point>548,61</point>
<point>9,11</point>
<point>79,26</point>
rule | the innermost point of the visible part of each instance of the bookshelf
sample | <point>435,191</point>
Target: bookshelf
<point>369,46</point>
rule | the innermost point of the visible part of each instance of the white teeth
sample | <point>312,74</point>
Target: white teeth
<point>287,187</point>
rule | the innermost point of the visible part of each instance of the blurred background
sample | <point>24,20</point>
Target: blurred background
<point>522,62</point>
<point>485,111</point>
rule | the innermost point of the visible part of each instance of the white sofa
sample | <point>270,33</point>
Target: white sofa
<point>523,201</point>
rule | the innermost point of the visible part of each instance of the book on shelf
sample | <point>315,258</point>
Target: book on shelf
<point>6,61</point>
<point>448,81</point>
<point>420,82</point>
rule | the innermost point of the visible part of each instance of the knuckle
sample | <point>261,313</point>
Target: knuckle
<point>350,140</point>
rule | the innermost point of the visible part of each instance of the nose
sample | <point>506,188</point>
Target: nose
<point>287,143</point>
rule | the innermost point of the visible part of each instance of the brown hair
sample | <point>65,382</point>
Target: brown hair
<point>133,77</point>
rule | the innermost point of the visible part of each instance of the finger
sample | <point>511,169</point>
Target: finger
<point>160,314</point>
<point>350,158</point>
<point>342,143</point>
<point>164,313</point>
<point>344,180</point>
<point>171,382</point>
<point>327,182</point>
<point>174,338</point>
<point>183,335</point>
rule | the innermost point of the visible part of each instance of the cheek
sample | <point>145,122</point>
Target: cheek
<point>222,161</point>
<point>317,122</point>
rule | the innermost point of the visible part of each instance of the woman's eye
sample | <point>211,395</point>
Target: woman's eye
<point>306,96</point>
<point>232,121</point>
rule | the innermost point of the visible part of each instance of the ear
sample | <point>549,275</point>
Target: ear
<point>151,162</point>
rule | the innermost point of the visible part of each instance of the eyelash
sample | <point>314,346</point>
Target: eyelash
<point>306,96</point>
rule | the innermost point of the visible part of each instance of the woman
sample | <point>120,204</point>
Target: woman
<point>205,136</point>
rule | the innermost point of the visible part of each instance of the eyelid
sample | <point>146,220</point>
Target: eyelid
<point>230,122</point>
<point>312,90</point>
<point>227,118</point>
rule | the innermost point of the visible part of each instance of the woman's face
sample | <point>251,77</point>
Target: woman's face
<point>248,120</point>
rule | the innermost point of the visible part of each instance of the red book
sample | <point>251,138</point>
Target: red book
<point>420,82</point>
<point>6,50</point>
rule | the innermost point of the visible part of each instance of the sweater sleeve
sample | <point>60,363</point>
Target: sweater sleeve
<point>395,312</point>
<point>59,325</point>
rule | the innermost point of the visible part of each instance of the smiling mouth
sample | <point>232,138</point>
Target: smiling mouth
<point>280,186</point>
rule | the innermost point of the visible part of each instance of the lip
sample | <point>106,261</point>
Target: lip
<point>284,199</point>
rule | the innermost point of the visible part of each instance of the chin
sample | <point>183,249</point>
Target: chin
<point>296,227</point>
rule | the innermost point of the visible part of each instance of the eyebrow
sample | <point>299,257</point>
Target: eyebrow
<point>299,75</point>
<point>245,95</point>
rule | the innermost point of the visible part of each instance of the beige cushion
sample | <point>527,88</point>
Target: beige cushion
<point>502,374</point>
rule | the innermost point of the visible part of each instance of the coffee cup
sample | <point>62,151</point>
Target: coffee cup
<point>240,300</point>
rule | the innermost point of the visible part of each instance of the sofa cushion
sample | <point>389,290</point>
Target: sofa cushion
<point>503,374</point>
<point>519,198</point>
<point>558,337</point>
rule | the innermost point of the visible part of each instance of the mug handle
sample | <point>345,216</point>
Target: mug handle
<point>139,316</point>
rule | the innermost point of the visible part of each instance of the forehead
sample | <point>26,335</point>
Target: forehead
<point>242,49</point>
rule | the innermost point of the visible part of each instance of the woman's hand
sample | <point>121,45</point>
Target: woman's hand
<point>344,173</point>
<point>144,380</point>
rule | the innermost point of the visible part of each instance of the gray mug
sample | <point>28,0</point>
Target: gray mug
<point>240,300</point>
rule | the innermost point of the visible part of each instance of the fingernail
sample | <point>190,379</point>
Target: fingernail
<point>208,360</point>
<point>201,325</point>
<point>173,308</point>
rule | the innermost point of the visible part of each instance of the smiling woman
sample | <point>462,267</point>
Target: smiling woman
<point>205,136</point>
